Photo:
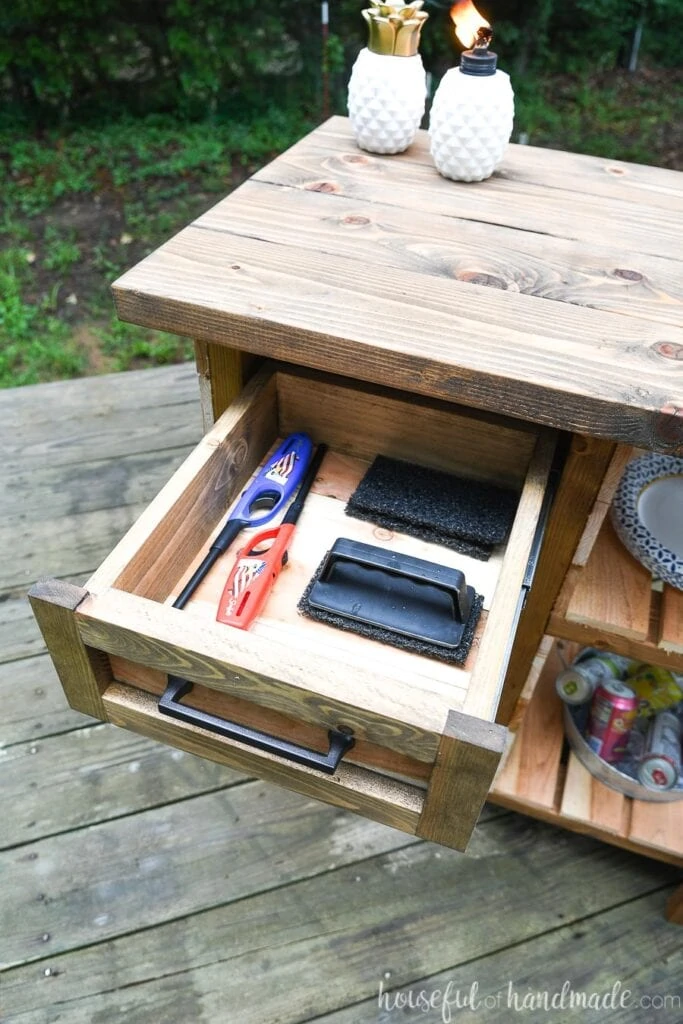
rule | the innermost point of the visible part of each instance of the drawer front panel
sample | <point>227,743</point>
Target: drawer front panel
<point>166,640</point>
<point>312,734</point>
<point>352,788</point>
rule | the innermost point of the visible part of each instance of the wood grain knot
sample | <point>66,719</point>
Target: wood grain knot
<point>236,453</point>
<point>356,158</point>
<point>488,280</point>
<point>668,349</point>
<point>322,186</point>
<point>628,275</point>
<point>615,170</point>
<point>355,218</point>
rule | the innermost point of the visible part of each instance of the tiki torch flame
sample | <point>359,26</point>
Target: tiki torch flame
<point>470,28</point>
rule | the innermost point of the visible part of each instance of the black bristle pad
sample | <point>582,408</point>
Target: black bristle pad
<point>454,655</point>
<point>466,515</point>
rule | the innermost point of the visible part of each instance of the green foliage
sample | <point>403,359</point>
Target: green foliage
<point>625,118</point>
<point>64,60</point>
<point>129,346</point>
<point>37,172</point>
<point>34,344</point>
<point>61,251</point>
<point>81,206</point>
<point>120,122</point>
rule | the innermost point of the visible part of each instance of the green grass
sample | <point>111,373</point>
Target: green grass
<point>618,116</point>
<point>129,346</point>
<point>61,251</point>
<point>40,171</point>
<point>34,343</point>
<point>79,207</point>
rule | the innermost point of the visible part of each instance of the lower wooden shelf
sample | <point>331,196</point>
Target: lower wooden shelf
<point>541,777</point>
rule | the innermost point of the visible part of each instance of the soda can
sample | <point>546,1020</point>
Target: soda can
<point>577,684</point>
<point>613,712</point>
<point>660,765</point>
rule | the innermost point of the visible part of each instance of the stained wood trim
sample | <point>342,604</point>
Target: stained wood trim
<point>639,650</point>
<point>364,420</point>
<point>610,603</point>
<point>338,322</point>
<point>465,766</point>
<point>515,803</point>
<point>532,766</point>
<point>84,673</point>
<point>352,788</point>
<point>671,621</point>
<point>586,464</point>
<point>483,694</point>
<point>255,716</point>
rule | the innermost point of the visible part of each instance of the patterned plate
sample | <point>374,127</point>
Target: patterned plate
<point>647,513</point>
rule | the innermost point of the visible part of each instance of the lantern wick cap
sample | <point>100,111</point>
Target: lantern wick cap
<point>480,60</point>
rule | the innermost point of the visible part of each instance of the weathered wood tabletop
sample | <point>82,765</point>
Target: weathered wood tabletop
<point>553,291</point>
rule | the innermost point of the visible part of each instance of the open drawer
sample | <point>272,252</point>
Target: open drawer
<point>426,744</point>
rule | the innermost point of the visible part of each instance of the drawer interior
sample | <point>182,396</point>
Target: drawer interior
<point>361,675</point>
<point>290,675</point>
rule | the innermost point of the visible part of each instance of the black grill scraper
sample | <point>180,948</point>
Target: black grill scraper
<point>466,515</point>
<point>397,599</point>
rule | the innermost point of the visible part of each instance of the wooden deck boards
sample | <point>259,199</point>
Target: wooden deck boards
<point>140,884</point>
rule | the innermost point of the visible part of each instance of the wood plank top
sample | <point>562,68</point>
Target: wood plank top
<point>551,292</point>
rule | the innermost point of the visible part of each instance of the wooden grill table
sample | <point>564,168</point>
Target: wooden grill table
<point>485,327</point>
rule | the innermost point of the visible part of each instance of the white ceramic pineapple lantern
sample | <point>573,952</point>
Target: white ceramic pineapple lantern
<point>388,88</point>
<point>472,112</point>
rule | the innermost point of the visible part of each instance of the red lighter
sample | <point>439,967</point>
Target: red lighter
<point>256,568</point>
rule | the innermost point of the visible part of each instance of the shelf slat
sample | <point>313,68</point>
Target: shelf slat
<point>620,460</point>
<point>586,800</point>
<point>609,603</point>
<point>659,826</point>
<point>671,623</point>
<point>532,767</point>
<point>612,593</point>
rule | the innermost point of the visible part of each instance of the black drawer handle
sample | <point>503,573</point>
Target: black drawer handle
<point>340,742</point>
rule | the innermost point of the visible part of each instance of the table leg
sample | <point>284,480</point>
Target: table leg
<point>223,372</point>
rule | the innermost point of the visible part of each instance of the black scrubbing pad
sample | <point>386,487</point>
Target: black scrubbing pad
<point>466,515</point>
<point>453,655</point>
